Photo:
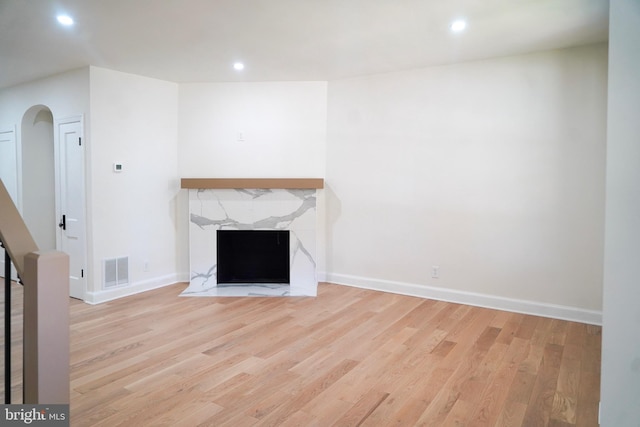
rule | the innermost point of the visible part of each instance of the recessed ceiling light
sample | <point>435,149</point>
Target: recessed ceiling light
<point>65,20</point>
<point>458,25</point>
<point>238,66</point>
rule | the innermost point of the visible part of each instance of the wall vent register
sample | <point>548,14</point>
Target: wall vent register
<point>116,272</point>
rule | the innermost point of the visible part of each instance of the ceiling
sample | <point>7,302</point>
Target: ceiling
<point>199,40</point>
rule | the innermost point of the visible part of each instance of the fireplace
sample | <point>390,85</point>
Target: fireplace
<point>252,256</point>
<point>257,209</point>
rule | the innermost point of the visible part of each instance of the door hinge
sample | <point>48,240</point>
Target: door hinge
<point>81,273</point>
<point>80,141</point>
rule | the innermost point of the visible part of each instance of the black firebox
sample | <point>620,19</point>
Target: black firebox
<point>253,256</point>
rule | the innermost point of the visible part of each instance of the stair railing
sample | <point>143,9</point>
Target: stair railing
<point>45,277</point>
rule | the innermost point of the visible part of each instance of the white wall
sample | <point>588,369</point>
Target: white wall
<point>492,170</point>
<point>620,387</point>
<point>283,125</point>
<point>135,212</point>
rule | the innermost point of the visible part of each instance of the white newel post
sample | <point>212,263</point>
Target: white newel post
<point>46,328</point>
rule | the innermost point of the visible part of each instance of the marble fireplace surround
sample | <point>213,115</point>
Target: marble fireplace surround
<point>252,204</point>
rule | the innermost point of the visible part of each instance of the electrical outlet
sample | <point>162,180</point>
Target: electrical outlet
<point>435,271</point>
<point>146,266</point>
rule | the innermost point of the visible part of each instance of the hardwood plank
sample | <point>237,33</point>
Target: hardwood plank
<point>309,392</point>
<point>362,409</point>
<point>558,332</point>
<point>527,327</point>
<point>398,409</point>
<point>566,396</point>
<point>494,396</point>
<point>460,413</point>
<point>325,411</point>
<point>521,387</point>
<point>301,418</point>
<point>509,328</point>
<point>541,401</point>
<point>200,412</point>
<point>512,414</point>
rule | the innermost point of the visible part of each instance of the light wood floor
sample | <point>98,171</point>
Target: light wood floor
<point>348,357</point>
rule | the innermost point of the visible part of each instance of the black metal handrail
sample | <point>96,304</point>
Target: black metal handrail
<point>7,327</point>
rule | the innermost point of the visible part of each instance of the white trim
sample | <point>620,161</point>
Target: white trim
<point>136,288</point>
<point>536,308</point>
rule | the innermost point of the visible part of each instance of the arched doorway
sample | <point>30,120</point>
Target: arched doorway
<point>38,176</point>
<point>52,158</point>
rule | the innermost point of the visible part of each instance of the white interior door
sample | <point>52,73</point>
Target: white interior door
<point>72,226</point>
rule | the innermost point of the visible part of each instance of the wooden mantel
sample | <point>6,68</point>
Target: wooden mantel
<point>288,183</point>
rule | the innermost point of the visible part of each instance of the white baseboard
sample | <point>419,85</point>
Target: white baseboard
<point>555,311</point>
<point>135,288</point>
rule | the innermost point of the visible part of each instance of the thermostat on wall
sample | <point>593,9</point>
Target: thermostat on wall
<point>117,167</point>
